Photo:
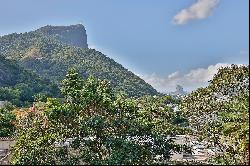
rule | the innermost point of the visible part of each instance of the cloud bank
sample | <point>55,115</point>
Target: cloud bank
<point>191,80</point>
<point>199,10</point>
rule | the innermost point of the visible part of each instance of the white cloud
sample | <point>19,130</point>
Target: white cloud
<point>174,75</point>
<point>92,46</point>
<point>199,10</point>
<point>191,80</point>
<point>244,52</point>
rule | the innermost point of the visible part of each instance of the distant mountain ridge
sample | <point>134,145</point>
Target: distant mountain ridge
<point>51,50</point>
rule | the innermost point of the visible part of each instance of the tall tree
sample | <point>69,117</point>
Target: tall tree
<point>219,114</point>
<point>93,126</point>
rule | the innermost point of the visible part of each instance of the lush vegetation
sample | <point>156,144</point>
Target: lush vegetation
<point>219,114</point>
<point>93,124</point>
<point>101,113</point>
<point>7,120</point>
<point>51,58</point>
<point>20,86</point>
<point>99,126</point>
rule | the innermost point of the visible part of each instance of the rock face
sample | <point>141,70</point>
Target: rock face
<point>74,35</point>
<point>179,91</point>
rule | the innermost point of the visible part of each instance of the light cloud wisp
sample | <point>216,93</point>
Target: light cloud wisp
<point>190,81</point>
<point>199,10</point>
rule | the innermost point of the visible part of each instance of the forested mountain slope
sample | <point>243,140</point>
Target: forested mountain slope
<point>19,86</point>
<point>50,52</point>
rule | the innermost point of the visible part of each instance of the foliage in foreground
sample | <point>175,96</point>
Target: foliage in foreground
<point>7,120</point>
<point>219,114</point>
<point>94,126</point>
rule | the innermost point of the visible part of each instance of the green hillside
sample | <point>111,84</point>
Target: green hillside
<point>50,55</point>
<point>19,86</point>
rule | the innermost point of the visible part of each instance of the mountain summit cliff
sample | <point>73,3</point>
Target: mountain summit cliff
<point>74,35</point>
<point>52,50</point>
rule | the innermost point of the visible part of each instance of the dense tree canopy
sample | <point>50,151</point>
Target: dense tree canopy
<point>92,125</point>
<point>20,86</point>
<point>219,114</point>
<point>7,120</point>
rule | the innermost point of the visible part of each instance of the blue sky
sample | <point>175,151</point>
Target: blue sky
<point>166,42</point>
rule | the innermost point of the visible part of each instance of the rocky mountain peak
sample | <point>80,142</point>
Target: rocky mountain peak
<point>74,35</point>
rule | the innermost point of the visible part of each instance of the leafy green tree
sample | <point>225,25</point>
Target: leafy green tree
<point>7,119</point>
<point>92,125</point>
<point>219,114</point>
